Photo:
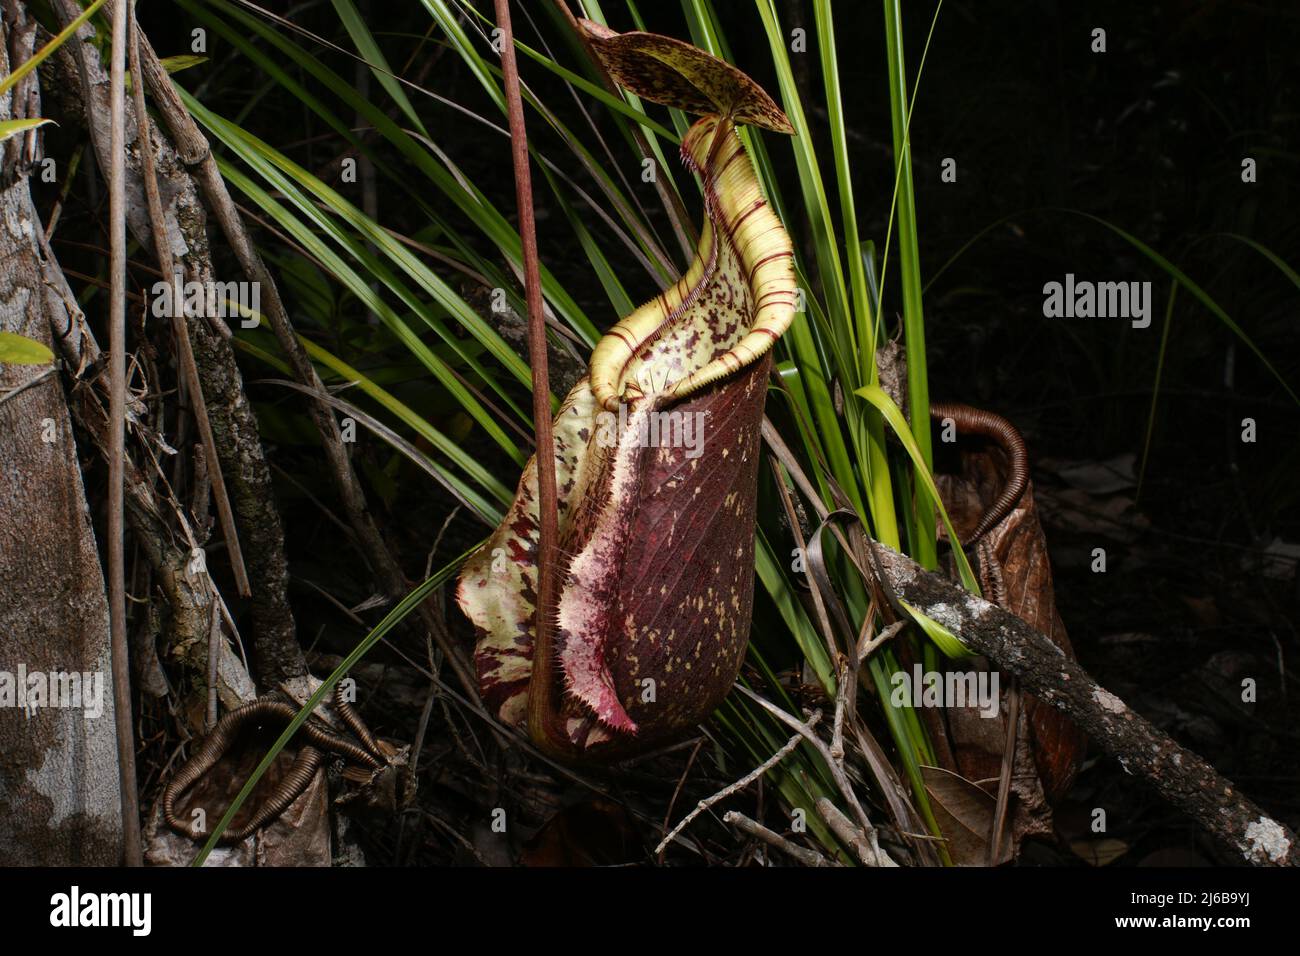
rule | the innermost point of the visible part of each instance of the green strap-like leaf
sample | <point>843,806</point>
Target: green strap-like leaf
<point>10,81</point>
<point>14,127</point>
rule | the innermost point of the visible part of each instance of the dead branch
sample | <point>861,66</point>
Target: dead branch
<point>755,829</point>
<point>1178,774</point>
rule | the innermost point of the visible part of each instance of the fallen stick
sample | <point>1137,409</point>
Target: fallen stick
<point>1179,775</point>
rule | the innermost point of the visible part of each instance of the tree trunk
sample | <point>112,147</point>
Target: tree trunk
<point>59,796</point>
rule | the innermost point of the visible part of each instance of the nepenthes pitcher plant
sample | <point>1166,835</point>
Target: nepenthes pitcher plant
<point>656,538</point>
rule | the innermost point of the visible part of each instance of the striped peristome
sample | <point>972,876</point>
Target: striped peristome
<point>734,202</point>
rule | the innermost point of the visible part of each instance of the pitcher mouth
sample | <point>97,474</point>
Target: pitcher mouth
<point>736,214</point>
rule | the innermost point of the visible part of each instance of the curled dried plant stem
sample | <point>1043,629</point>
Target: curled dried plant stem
<point>739,785</point>
<point>979,421</point>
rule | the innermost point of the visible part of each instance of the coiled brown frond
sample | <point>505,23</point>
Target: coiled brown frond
<point>317,743</point>
<point>979,421</point>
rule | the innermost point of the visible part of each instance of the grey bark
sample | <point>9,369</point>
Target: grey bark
<point>59,794</point>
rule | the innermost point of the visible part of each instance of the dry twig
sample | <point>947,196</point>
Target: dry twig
<point>739,785</point>
<point>865,843</point>
<point>755,829</point>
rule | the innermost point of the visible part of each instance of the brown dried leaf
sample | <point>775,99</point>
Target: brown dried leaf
<point>1023,575</point>
<point>965,814</point>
